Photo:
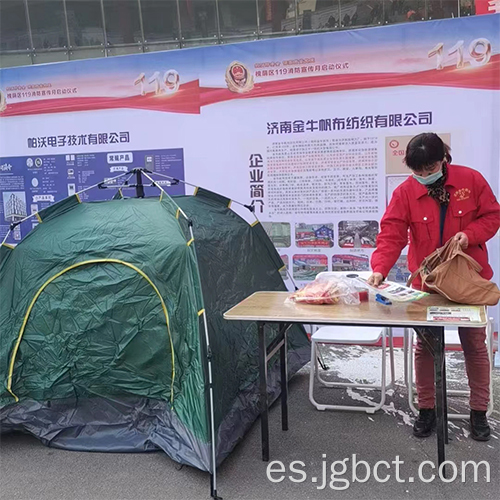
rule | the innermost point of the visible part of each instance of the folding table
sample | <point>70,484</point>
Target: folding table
<point>272,307</point>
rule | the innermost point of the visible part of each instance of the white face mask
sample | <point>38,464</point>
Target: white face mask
<point>430,179</point>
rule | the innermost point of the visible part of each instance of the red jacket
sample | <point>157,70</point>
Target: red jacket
<point>473,210</point>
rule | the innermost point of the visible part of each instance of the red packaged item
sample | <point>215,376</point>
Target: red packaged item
<point>327,290</point>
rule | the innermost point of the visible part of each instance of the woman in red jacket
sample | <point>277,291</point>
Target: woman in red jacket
<point>438,202</point>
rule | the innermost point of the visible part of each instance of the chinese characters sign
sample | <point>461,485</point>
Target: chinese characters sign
<point>256,165</point>
<point>60,141</point>
<point>350,123</point>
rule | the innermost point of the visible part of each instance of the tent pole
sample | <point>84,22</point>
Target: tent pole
<point>6,236</point>
<point>193,185</point>
<point>155,184</point>
<point>213,476</point>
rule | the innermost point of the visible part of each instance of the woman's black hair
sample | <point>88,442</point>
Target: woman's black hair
<point>425,150</point>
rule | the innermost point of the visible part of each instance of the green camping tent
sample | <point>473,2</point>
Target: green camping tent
<point>111,327</point>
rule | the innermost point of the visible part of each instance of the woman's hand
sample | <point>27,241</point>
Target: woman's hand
<point>375,279</point>
<point>462,239</point>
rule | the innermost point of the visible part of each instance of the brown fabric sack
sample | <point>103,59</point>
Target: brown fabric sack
<point>452,273</point>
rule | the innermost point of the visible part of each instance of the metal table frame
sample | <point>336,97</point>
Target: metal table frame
<point>432,336</point>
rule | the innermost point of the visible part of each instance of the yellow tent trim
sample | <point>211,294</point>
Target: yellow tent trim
<point>177,213</point>
<point>8,246</point>
<point>201,312</point>
<point>254,223</point>
<point>190,241</point>
<point>229,204</point>
<point>78,197</point>
<point>75,266</point>
<point>38,217</point>
<point>282,267</point>
<point>195,191</point>
<point>161,195</point>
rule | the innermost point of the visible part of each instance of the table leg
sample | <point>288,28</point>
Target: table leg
<point>438,347</point>
<point>264,409</point>
<point>284,379</point>
<point>433,337</point>
<point>445,392</point>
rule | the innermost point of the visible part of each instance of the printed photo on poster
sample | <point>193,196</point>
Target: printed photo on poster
<point>279,233</point>
<point>314,235</point>
<point>14,205</point>
<point>306,267</point>
<point>358,233</point>
<point>350,262</point>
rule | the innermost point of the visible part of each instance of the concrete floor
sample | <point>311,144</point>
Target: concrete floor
<point>30,470</point>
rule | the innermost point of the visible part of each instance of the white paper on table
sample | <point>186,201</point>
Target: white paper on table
<point>470,314</point>
<point>394,291</point>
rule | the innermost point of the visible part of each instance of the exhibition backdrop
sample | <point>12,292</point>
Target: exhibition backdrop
<point>310,130</point>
